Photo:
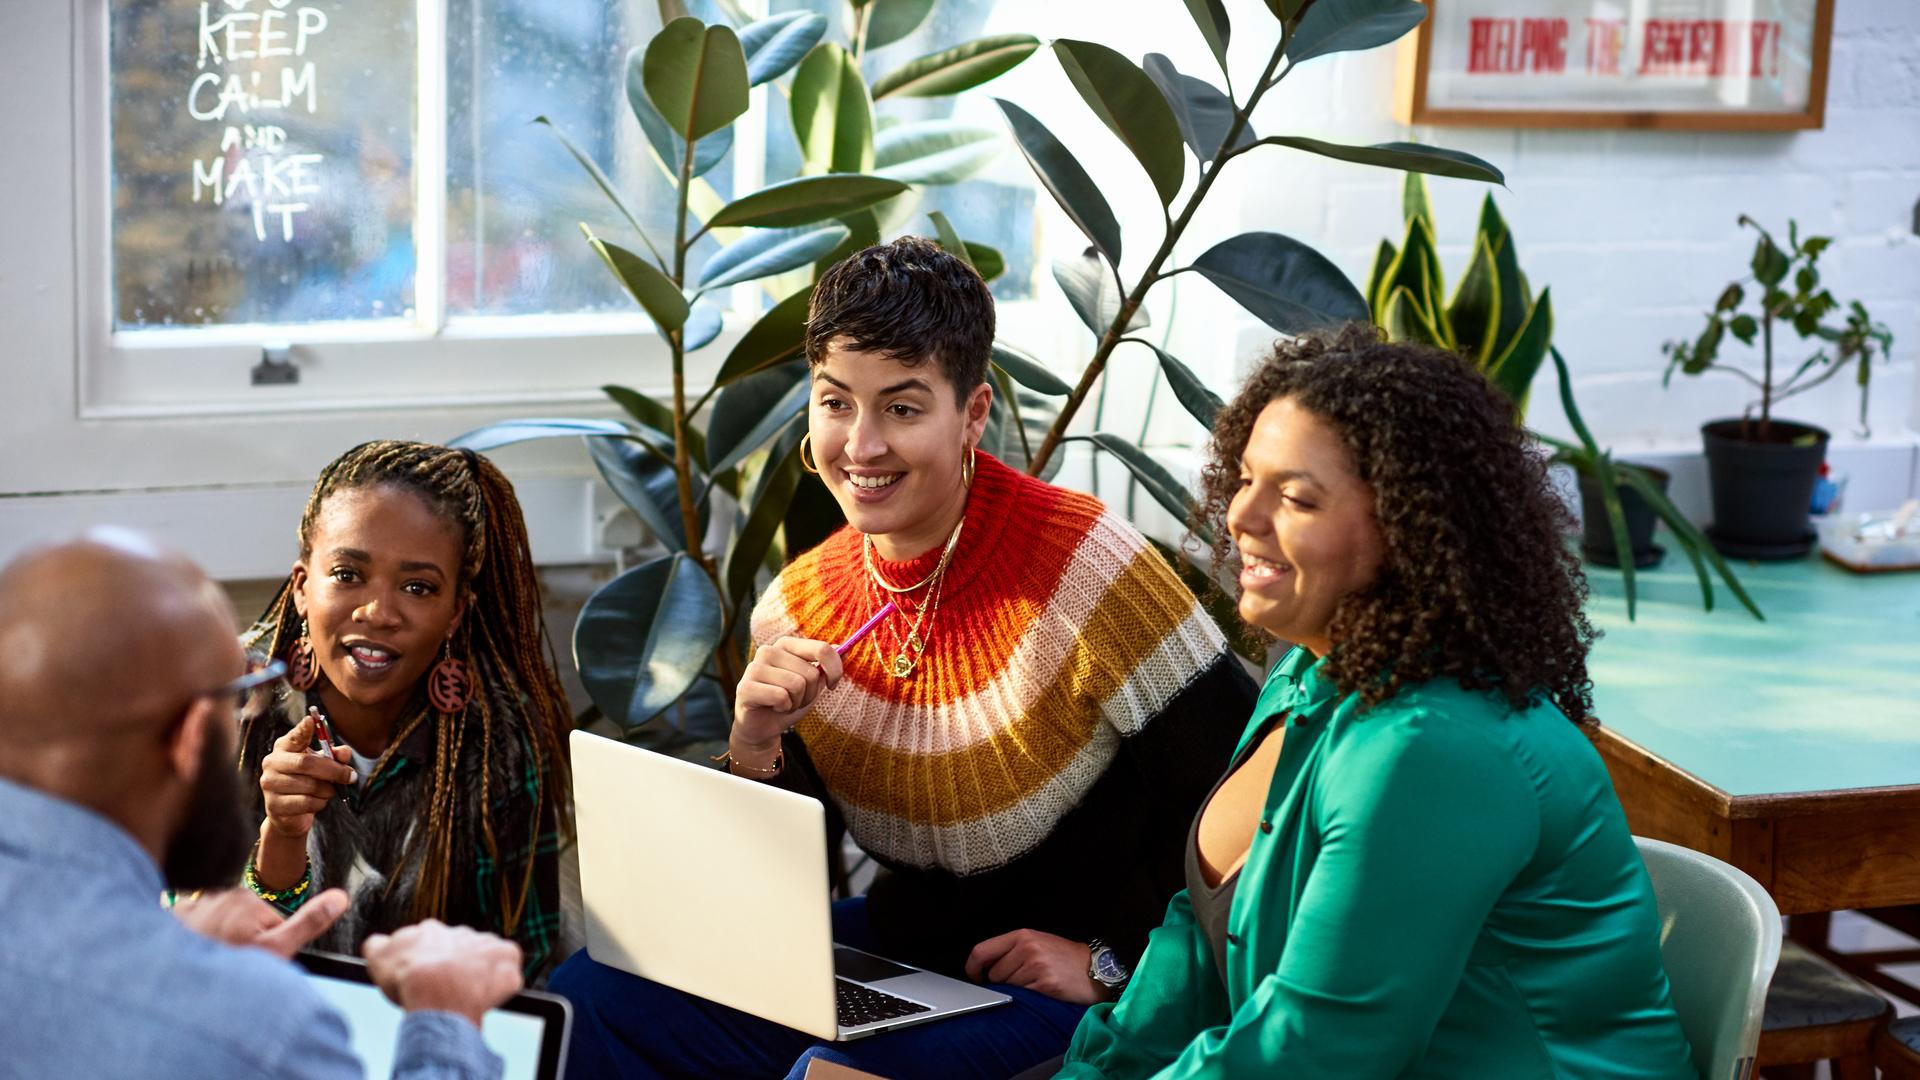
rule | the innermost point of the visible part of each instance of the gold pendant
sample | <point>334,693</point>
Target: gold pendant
<point>902,667</point>
<point>919,646</point>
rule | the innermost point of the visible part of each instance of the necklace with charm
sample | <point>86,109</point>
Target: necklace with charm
<point>910,649</point>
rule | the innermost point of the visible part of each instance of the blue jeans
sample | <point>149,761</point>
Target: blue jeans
<point>631,1028</point>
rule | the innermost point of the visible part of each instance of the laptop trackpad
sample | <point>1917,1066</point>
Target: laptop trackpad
<point>865,967</point>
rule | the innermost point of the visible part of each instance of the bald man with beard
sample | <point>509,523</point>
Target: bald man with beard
<point>116,778</point>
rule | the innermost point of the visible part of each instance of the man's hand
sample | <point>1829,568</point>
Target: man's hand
<point>1051,965</point>
<point>237,917</point>
<point>433,966</point>
<point>298,784</point>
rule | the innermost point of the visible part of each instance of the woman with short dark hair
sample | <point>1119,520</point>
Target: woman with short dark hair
<point>1415,866</point>
<point>1019,746</point>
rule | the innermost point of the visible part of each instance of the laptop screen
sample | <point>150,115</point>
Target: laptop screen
<point>373,1023</point>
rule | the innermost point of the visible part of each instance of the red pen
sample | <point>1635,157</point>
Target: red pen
<point>326,734</point>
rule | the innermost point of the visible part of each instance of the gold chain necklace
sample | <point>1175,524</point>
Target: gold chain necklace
<point>902,664</point>
<point>866,554</point>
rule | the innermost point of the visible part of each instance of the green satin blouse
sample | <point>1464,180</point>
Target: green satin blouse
<point>1440,887</point>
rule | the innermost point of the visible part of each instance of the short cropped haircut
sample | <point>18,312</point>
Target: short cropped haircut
<point>911,301</point>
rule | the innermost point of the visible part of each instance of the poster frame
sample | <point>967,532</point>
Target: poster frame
<point>1410,96</point>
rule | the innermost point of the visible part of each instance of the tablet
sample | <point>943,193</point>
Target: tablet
<point>530,1031</point>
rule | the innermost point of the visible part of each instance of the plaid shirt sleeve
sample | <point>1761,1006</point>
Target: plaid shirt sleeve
<point>539,928</point>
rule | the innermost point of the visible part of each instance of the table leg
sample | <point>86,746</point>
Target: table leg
<point>1811,929</point>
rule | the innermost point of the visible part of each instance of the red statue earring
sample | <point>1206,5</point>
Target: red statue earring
<point>302,672</point>
<point>448,685</point>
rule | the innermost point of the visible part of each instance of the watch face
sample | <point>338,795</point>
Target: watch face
<point>1108,968</point>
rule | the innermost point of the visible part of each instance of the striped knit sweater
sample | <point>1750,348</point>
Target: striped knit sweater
<point>1039,767</point>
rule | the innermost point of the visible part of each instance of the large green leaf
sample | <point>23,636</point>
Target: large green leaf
<point>1474,315</point>
<point>654,291</point>
<point>1131,106</point>
<point>1169,492</point>
<point>773,45</point>
<point>832,118</point>
<point>766,509</point>
<point>1513,370</point>
<point>962,67</point>
<point>704,323</point>
<point>1211,17</point>
<point>753,410</point>
<point>1204,114</point>
<point>601,180</point>
<point>779,336</point>
<point>657,419</point>
<point>1383,260</point>
<point>644,638</point>
<point>863,231</point>
<point>1331,26</point>
<point>1413,199</point>
<point>696,76</point>
<point>671,148</point>
<point>1417,270</point>
<point>513,431</point>
<point>949,238</point>
<point>806,200</point>
<point>766,252</point>
<point>1515,299</point>
<point>646,484</point>
<point>1065,180</point>
<point>1405,318</point>
<point>1202,403</point>
<point>890,20</point>
<point>1412,157</point>
<point>1093,293</point>
<point>1287,284</point>
<point>936,151</point>
<point>1028,371</point>
<point>987,260</point>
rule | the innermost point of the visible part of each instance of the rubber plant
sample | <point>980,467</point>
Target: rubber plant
<point>659,647</point>
<point>1184,130</point>
<point>1495,320</point>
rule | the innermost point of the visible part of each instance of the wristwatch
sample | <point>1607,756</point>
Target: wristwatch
<point>1105,968</point>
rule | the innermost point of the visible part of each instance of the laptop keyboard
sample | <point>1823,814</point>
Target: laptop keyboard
<point>860,1005</point>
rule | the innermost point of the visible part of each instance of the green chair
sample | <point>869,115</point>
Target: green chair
<point>1720,940</point>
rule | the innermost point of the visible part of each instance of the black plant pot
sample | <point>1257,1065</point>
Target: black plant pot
<point>1598,545</point>
<point>1762,491</point>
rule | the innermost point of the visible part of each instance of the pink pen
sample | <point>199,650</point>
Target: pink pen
<point>864,630</point>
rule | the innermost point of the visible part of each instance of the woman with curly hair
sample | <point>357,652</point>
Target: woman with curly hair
<point>412,623</point>
<point>1415,865</point>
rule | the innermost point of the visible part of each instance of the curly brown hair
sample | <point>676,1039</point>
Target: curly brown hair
<point>1477,581</point>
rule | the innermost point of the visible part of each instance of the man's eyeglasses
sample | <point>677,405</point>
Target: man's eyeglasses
<point>251,679</point>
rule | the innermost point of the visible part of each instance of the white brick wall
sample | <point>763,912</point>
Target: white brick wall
<point>1636,230</point>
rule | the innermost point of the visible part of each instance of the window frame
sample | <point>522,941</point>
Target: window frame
<point>426,361</point>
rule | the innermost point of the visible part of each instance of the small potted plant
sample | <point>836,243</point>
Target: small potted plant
<point>1762,470</point>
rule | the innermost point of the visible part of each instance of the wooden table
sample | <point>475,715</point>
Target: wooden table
<point>1789,748</point>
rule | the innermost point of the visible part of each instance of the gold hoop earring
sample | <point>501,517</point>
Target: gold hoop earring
<point>970,466</point>
<point>803,454</point>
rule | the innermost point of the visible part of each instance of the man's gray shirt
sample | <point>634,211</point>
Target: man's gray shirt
<point>98,981</point>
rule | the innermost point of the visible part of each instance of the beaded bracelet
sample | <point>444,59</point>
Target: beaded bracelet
<point>779,762</point>
<point>286,895</point>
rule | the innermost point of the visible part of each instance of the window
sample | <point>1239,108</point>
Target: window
<point>267,170</point>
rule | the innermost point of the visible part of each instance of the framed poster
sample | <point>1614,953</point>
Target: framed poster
<point>1699,64</point>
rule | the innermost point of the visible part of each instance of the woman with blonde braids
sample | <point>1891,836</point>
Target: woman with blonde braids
<point>412,624</point>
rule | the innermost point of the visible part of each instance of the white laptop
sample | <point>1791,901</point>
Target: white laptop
<point>717,885</point>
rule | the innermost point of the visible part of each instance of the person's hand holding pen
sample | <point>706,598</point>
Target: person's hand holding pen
<point>297,782</point>
<point>777,689</point>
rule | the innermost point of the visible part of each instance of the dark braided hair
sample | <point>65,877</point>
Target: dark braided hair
<point>1477,581</point>
<point>502,638</point>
